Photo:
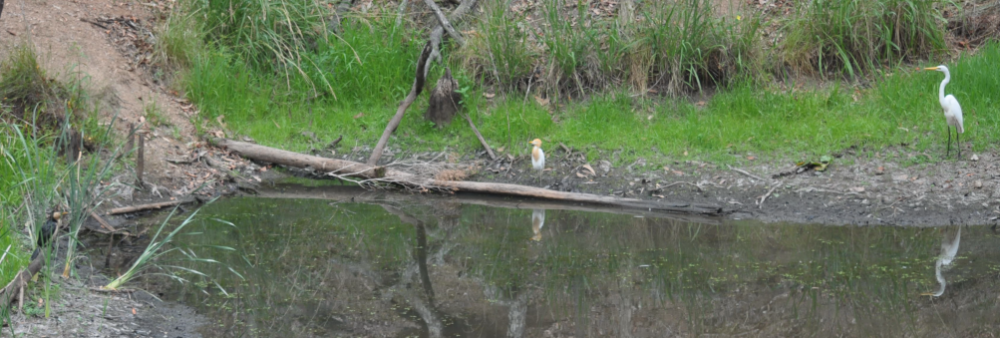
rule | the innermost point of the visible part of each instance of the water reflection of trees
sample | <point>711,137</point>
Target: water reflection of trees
<point>375,270</point>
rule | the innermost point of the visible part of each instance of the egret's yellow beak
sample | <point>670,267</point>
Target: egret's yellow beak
<point>931,68</point>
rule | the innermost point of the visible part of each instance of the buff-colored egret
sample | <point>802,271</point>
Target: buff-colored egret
<point>948,252</point>
<point>537,155</point>
<point>537,222</point>
<point>952,111</point>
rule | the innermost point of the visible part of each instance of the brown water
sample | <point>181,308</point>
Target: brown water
<point>416,266</point>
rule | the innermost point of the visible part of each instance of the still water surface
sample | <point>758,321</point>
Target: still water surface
<point>323,266</point>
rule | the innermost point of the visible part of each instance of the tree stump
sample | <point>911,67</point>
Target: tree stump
<point>444,101</point>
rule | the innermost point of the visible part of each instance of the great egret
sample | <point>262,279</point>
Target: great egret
<point>948,252</point>
<point>537,155</point>
<point>537,222</point>
<point>952,110</point>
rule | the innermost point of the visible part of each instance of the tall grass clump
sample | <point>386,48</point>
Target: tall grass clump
<point>13,255</point>
<point>685,47</point>
<point>269,35</point>
<point>679,46</point>
<point>500,51</point>
<point>854,36</point>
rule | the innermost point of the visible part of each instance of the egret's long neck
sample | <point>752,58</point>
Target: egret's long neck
<point>947,77</point>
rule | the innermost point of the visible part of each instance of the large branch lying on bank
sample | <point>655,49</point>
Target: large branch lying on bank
<point>383,174</point>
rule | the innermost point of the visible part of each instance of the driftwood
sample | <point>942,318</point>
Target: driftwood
<point>370,173</point>
<point>150,206</point>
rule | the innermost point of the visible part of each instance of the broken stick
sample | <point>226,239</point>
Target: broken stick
<point>480,136</point>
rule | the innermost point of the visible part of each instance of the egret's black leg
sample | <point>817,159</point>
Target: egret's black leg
<point>958,143</point>
<point>948,152</point>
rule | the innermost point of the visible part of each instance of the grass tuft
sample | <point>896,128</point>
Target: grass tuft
<point>855,36</point>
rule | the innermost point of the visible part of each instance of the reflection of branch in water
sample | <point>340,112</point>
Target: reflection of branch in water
<point>420,256</point>
<point>948,252</point>
<point>426,311</point>
<point>517,311</point>
<point>423,306</point>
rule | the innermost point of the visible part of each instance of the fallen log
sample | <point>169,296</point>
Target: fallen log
<point>149,206</point>
<point>353,194</point>
<point>360,170</point>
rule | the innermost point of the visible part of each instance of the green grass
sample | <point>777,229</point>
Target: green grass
<point>901,108</point>
<point>682,46</point>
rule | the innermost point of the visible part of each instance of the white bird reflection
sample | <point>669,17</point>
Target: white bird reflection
<point>537,222</point>
<point>948,252</point>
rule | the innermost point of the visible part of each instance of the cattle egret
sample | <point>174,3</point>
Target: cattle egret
<point>537,155</point>
<point>537,222</point>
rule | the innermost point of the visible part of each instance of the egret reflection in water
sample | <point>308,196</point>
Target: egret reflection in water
<point>948,252</point>
<point>537,222</point>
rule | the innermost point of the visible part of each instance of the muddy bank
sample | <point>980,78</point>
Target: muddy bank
<point>896,186</point>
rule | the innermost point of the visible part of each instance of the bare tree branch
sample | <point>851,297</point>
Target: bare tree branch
<point>444,22</point>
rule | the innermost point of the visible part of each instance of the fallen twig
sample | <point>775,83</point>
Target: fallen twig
<point>104,224</point>
<point>335,142</point>
<point>118,290</point>
<point>744,172</point>
<point>760,202</point>
<point>480,136</point>
<point>95,23</point>
<point>681,182</point>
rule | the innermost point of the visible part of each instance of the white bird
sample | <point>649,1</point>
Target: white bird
<point>537,222</point>
<point>952,110</point>
<point>537,155</point>
<point>948,252</point>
